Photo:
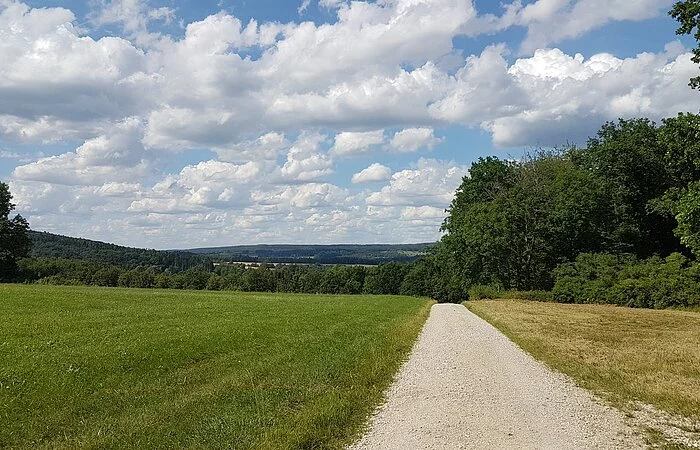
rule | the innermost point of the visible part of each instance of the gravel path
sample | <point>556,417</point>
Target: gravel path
<point>467,386</point>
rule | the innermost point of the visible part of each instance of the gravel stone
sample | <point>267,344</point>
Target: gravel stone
<point>467,386</point>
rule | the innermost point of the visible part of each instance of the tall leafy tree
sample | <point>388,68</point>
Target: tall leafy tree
<point>687,213</point>
<point>680,139</point>
<point>511,223</point>
<point>687,13</point>
<point>14,237</point>
<point>631,159</point>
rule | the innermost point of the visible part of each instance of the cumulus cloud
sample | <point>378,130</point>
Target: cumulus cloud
<point>134,16</point>
<point>375,172</point>
<point>202,91</point>
<point>413,139</point>
<point>574,101</point>
<point>552,98</point>
<point>349,143</point>
<point>256,102</point>
<point>115,156</point>
<point>429,183</point>
<point>551,21</point>
<point>306,161</point>
<point>266,147</point>
<point>52,75</point>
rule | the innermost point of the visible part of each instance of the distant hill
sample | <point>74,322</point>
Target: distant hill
<point>48,245</point>
<point>317,254</point>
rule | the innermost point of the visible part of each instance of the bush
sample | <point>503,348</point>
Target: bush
<point>626,281</point>
<point>481,292</point>
<point>537,296</point>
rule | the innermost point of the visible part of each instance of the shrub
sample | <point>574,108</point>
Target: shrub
<point>481,292</point>
<point>538,296</point>
<point>626,281</point>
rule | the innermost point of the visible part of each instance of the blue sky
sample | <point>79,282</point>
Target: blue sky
<point>173,124</point>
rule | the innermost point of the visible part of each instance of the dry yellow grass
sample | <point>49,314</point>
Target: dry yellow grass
<point>621,354</point>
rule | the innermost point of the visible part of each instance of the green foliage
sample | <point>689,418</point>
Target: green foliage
<point>680,138</point>
<point>510,224</point>
<point>673,281</point>
<point>688,216</point>
<point>633,192</point>
<point>47,245</point>
<point>385,279</point>
<point>687,13</point>
<point>630,158</point>
<point>480,292</point>
<point>338,254</point>
<point>538,296</point>
<point>14,242</point>
<point>589,278</point>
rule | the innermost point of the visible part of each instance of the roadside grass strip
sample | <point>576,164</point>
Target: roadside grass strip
<point>645,362</point>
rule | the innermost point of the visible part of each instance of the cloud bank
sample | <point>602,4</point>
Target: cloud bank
<point>273,111</point>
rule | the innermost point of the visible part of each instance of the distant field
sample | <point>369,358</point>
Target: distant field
<point>124,368</point>
<point>622,354</point>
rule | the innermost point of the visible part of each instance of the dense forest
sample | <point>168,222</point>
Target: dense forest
<point>48,245</point>
<point>335,279</point>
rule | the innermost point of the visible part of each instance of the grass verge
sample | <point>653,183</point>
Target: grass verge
<point>88,367</point>
<point>652,356</point>
<point>624,355</point>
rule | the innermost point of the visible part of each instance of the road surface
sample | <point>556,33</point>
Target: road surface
<point>468,386</point>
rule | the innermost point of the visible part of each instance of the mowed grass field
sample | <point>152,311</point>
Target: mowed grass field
<point>85,367</point>
<point>622,354</point>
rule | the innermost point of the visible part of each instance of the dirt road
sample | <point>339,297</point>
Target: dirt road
<point>467,386</point>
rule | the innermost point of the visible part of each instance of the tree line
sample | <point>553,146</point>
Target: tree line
<point>49,245</point>
<point>384,279</point>
<point>557,220</point>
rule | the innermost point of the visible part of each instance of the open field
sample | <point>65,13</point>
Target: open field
<point>622,354</point>
<point>117,368</point>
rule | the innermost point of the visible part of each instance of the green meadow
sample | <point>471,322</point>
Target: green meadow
<point>85,367</point>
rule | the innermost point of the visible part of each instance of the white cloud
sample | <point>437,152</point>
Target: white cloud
<point>5,154</point>
<point>413,139</point>
<point>571,105</point>
<point>552,21</point>
<point>266,147</point>
<point>356,143</point>
<point>304,5</point>
<point>115,156</point>
<point>134,16</point>
<point>375,172</point>
<point>429,183</point>
<point>305,161</point>
<point>200,92</point>
<point>56,83</point>
<point>423,212</point>
<point>552,98</point>
<point>255,103</point>
<point>331,4</point>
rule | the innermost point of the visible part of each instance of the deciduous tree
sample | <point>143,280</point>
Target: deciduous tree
<point>14,238</point>
<point>687,13</point>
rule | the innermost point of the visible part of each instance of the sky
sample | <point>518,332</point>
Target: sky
<point>180,124</point>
